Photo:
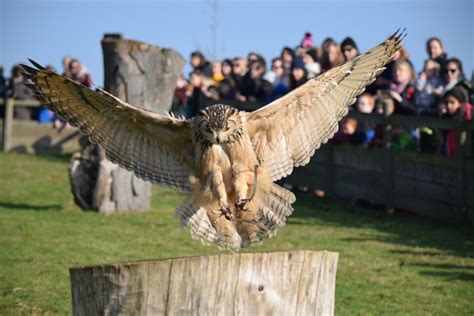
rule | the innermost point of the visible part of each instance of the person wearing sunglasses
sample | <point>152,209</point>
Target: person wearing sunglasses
<point>454,78</point>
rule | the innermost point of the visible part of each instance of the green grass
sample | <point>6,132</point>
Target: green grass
<point>387,265</point>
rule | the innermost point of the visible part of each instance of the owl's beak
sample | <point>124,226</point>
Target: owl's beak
<point>219,137</point>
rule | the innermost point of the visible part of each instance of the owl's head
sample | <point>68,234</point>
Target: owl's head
<point>218,124</point>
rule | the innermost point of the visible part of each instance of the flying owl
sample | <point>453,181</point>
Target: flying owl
<point>228,159</point>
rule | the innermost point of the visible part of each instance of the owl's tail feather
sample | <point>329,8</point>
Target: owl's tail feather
<point>215,229</point>
<point>276,206</point>
<point>198,222</point>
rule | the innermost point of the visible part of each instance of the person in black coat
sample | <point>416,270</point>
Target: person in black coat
<point>200,64</point>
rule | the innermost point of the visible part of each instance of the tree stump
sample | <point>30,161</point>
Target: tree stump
<point>142,75</point>
<point>278,283</point>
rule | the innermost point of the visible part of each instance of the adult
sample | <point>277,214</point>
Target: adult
<point>436,52</point>
<point>199,63</point>
<point>349,48</point>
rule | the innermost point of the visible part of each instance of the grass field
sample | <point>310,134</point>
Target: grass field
<point>387,265</point>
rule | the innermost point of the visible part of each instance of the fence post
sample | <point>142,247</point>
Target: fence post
<point>7,123</point>
<point>462,141</point>
<point>387,160</point>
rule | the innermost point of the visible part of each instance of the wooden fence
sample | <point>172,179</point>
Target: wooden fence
<point>30,136</point>
<point>429,184</point>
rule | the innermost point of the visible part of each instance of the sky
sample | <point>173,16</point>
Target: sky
<point>47,30</point>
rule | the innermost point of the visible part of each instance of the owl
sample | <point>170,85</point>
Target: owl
<point>228,159</point>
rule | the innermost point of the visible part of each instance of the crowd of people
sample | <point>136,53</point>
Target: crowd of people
<point>440,89</point>
<point>16,87</point>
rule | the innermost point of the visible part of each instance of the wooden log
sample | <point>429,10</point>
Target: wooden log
<point>142,75</point>
<point>278,283</point>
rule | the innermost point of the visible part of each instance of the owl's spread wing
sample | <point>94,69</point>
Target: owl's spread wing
<point>286,132</point>
<point>155,147</point>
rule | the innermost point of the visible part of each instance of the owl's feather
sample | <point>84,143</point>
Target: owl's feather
<point>288,131</point>
<point>155,147</point>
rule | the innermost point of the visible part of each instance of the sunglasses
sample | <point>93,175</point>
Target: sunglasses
<point>450,70</point>
<point>347,49</point>
<point>277,67</point>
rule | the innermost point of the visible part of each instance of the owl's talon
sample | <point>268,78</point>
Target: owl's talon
<point>226,212</point>
<point>240,204</point>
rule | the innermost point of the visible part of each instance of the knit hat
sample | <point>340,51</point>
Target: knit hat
<point>298,63</point>
<point>307,40</point>
<point>348,41</point>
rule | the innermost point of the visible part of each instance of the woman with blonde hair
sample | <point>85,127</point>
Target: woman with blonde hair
<point>402,90</point>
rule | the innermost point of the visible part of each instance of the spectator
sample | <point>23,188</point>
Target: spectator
<point>310,59</point>
<point>253,57</point>
<point>217,75</point>
<point>400,139</point>
<point>66,62</point>
<point>199,63</point>
<point>227,88</point>
<point>349,48</point>
<point>299,76</point>
<point>365,130</point>
<point>401,89</point>
<point>50,68</point>
<point>456,106</point>
<point>276,76</point>
<point>435,50</point>
<point>254,87</point>
<point>198,98</point>
<point>325,44</point>
<point>429,86</point>
<point>454,77</point>
<point>226,68</point>
<point>331,57</point>
<point>347,128</point>
<point>18,90</point>
<point>365,103</point>
<point>239,70</point>
<point>307,41</point>
<point>287,55</point>
<point>79,73</point>
<point>182,93</point>
<point>386,77</point>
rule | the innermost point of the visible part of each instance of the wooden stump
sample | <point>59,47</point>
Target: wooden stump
<point>278,283</point>
<point>142,75</point>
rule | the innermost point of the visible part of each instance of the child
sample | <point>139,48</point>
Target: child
<point>455,106</point>
<point>429,86</point>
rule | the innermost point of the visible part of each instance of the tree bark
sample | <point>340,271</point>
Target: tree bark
<point>142,75</point>
<point>279,283</point>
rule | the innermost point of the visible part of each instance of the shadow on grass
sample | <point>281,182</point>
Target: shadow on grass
<point>446,237</point>
<point>59,157</point>
<point>450,275</point>
<point>29,207</point>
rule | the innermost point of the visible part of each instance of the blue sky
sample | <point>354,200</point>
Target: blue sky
<point>48,30</point>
